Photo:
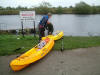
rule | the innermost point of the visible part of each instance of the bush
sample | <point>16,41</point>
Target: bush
<point>82,8</point>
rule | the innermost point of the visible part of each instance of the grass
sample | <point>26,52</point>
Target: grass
<point>9,43</point>
<point>77,42</point>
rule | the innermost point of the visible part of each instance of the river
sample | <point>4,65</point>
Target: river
<point>71,24</point>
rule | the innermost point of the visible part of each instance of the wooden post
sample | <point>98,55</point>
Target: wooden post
<point>62,44</point>
<point>22,28</point>
<point>34,29</point>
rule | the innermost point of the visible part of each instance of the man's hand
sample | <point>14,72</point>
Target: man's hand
<point>46,27</point>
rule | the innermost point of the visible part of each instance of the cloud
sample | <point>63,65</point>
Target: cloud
<point>29,3</point>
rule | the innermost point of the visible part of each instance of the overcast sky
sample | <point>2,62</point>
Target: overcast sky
<point>55,3</point>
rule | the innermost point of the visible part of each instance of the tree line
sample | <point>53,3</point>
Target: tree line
<point>45,7</point>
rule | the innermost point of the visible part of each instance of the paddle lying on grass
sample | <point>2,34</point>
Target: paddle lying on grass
<point>17,49</point>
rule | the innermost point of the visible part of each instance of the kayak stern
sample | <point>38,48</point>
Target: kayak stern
<point>17,67</point>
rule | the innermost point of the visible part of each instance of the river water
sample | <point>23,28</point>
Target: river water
<point>72,25</point>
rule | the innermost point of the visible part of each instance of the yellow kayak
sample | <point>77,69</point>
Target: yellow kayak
<point>57,35</point>
<point>32,55</point>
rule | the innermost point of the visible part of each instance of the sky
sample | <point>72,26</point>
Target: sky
<point>54,3</point>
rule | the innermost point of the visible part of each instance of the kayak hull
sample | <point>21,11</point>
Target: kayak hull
<point>18,67</point>
<point>31,56</point>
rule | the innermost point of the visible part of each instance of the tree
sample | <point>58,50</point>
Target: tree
<point>20,8</point>
<point>70,6</point>
<point>98,9</point>
<point>43,8</point>
<point>9,8</point>
<point>94,10</point>
<point>82,8</point>
<point>59,10</point>
<point>1,8</point>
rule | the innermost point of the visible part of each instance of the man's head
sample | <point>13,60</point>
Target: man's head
<point>49,15</point>
<point>48,22</point>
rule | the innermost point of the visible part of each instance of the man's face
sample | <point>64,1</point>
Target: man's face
<point>50,16</point>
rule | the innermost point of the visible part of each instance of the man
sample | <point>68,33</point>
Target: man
<point>50,28</point>
<point>43,25</point>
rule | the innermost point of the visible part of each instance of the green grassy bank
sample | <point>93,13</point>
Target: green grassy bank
<point>9,43</point>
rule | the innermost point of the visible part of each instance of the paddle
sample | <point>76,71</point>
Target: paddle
<point>18,49</point>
